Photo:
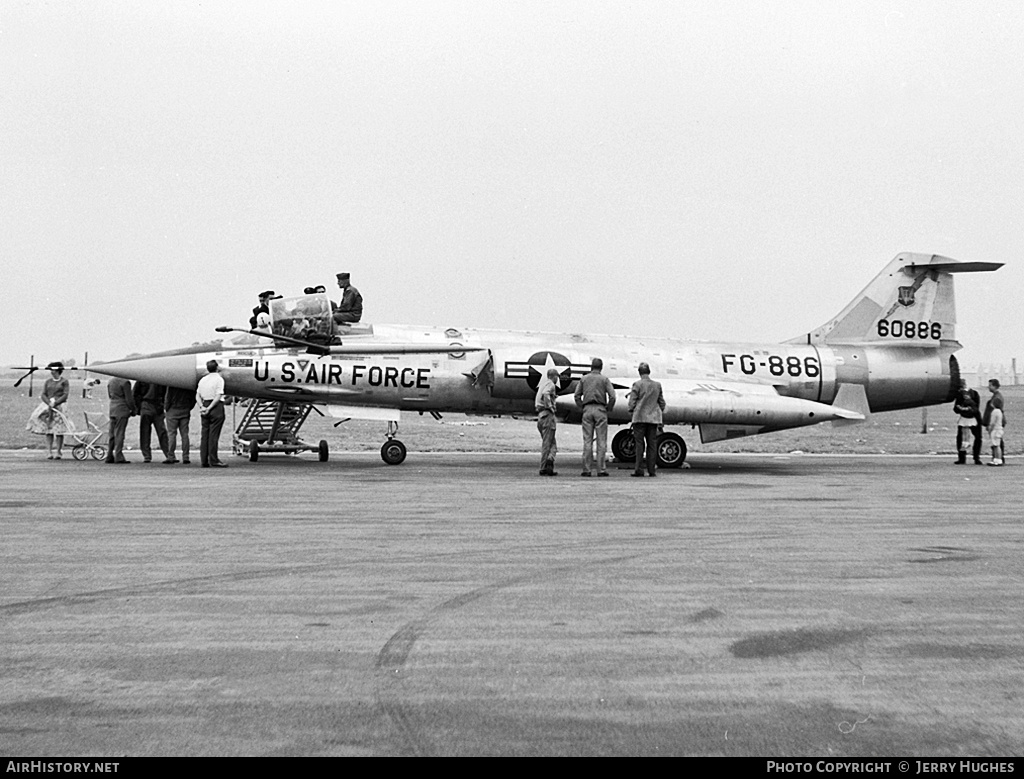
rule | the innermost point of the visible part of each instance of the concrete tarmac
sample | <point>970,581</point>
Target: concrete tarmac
<point>462,605</point>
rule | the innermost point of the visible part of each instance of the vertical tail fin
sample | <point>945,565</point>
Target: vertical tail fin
<point>910,303</point>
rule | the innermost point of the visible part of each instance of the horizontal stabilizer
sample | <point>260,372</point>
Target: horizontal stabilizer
<point>911,303</point>
<point>955,267</point>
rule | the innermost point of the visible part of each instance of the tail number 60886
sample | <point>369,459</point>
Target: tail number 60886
<point>899,328</point>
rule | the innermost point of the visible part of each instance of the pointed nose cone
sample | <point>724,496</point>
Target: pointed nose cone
<point>172,370</point>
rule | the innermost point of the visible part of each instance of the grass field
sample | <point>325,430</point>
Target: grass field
<point>894,432</point>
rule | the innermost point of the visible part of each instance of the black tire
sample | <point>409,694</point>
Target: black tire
<point>323,451</point>
<point>99,452</point>
<point>393,452</point>
<point>254,450</point>
<point>624,446</point>
<point>79,452</point>
<point>671,450</point>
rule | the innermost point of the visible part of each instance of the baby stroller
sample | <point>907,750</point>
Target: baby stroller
<point>85,441</point>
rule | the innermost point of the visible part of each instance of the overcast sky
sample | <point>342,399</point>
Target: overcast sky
<point>706,170</point>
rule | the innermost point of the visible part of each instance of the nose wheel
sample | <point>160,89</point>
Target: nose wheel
<point>393,451</point>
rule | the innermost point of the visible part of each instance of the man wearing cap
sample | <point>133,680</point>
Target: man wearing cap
<point>544,404</point>
<point>262,308</point>
<point>596,396</point>
<point>646,402</point>
<point>350,309</point>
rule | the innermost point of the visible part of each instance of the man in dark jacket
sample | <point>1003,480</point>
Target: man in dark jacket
<point>149,398</point>
<point>262,308</point>
<point>178,405</point>
<point>122,406</point>
<point>968,406</point>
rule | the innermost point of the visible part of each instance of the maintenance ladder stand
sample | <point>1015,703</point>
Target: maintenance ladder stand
<point>273,426</point>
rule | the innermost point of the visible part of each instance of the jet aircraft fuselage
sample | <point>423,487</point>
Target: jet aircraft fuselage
<point>891,348</point>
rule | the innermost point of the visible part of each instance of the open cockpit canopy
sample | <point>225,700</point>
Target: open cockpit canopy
<point>307,317</point>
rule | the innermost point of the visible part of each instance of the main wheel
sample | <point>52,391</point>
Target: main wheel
<point>671,450</point>
<point>624,446</point>
<point>393,452</point>
<point>99,452</point>
<point>79,452</point>
<point>323,451</point>
<point>254,450</point>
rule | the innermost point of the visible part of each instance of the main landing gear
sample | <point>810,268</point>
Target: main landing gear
<point>393,451</point>
<point>671,448</point>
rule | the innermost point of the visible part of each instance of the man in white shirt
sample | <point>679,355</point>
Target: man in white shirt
<point>210,396</point>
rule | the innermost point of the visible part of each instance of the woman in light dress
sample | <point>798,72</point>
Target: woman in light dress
<point>48,418</point>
